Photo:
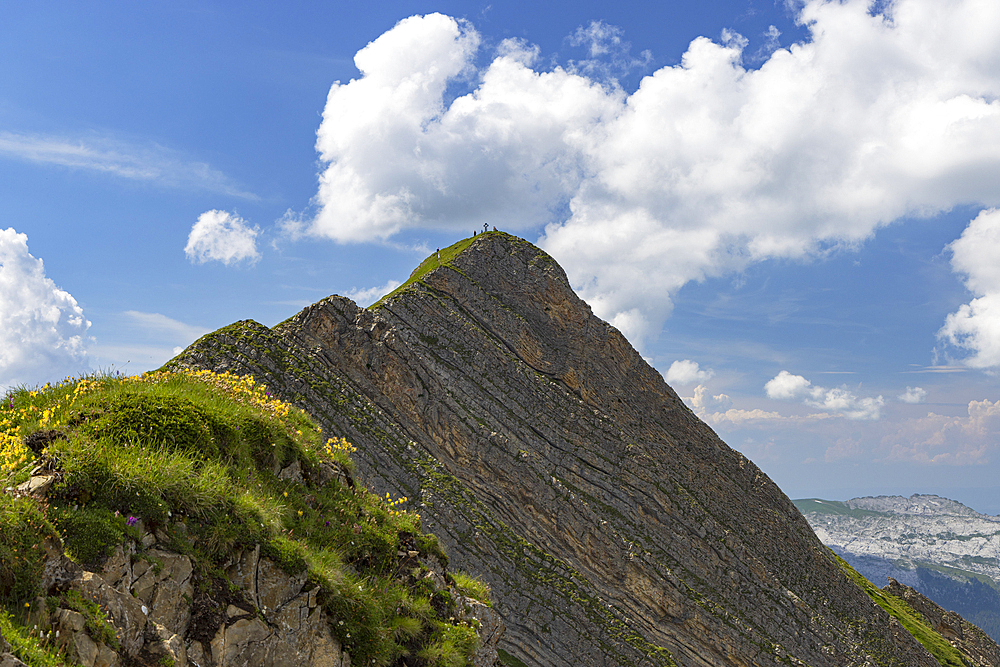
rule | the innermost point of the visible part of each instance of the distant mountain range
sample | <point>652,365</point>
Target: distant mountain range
<point>940,547</point>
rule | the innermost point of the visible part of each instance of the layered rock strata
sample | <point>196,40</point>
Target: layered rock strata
<point>964,636</point>
<point>614,527</point>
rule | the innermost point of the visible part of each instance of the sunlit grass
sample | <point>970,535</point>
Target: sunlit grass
<point>197,456</point>
<point>914,622</point>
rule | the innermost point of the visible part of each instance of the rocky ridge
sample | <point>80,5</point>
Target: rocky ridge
<point>975,644</point>
<point>613,526</point>
<point>920,529</point>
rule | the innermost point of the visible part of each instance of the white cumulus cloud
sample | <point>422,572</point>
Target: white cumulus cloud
<point>785,386</point>
<point>707,167</point>
<point>703,401</point>
<point>839,400</point>
<point>913,395</point>
<point>975,326</point>
<point>685,371</point>
<point>368,295</point>
<point>223,237</point>
<point>42,328</point>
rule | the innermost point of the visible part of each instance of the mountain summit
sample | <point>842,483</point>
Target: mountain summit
<point>614,526</point>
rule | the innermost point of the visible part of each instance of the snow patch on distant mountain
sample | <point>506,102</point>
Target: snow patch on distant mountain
<point>945,550</point>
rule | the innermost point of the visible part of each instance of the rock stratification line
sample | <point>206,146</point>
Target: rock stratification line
<point>613,525</point>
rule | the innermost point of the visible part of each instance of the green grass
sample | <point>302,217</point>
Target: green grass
<point>197,456</point>
<point>509,660</point>
<point>914,622</point>
<point>26,644</point>
<point>431,263</point>
<point>471,587</point>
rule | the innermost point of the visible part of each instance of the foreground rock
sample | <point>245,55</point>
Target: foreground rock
<point>153,614</point>
<point>614,527</point>
<point>146,604</point>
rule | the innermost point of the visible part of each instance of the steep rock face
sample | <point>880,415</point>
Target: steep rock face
<point>613,525</point>
<point>964,636</point>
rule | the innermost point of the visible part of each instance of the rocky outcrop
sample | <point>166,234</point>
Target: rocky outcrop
<point>975,644</point>
<point>613,526</point>
<point>153,614</point>
<point>146,605</point>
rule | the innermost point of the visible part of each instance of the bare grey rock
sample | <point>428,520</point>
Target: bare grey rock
<point>292,473</point>
<point>170,601</point>
<point>489,626</point>
<point>920,530</point>
<point>58,569</point>
<point>975,644</point>
<point>37,484</point>
<point>613,526</point>
<point>162,643</point>
<point>125,612</point>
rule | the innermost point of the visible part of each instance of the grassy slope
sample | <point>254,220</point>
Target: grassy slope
<point>197,455</point>
<point>431,263</point>
<point>913,621</point>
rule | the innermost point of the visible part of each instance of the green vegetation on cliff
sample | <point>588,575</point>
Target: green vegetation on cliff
<point>436,259</point>
<point>215,464</point>
<point>913,621</point>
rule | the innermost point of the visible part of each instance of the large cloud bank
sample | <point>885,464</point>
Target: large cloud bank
<point>42,328</point>
<point>975,326</point>
<point>707,167</point>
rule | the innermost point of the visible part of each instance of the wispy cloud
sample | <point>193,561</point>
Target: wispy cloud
<point>943,439</point>
<point>161,326</point>
<point>151,163</point>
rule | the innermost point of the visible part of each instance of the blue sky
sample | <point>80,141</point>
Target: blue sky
<point>787,206</point>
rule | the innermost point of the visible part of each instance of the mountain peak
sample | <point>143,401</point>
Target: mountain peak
<point>612,524</point>
<point>919,504</point>
<point>479,251</point>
